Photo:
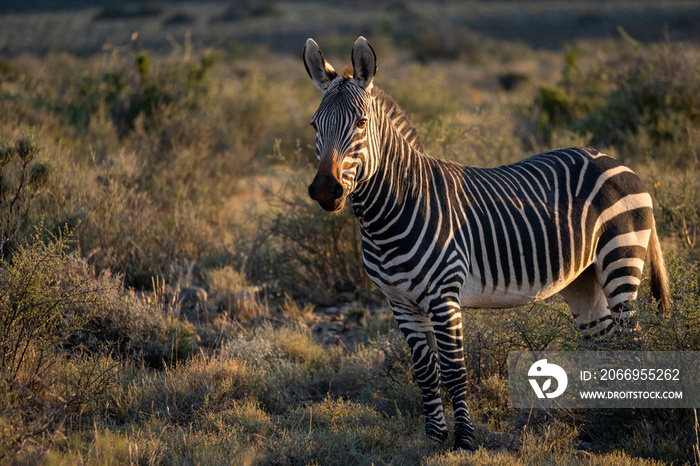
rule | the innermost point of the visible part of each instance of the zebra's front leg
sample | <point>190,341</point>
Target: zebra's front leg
<point>418,331</point>
<point>447,322</point>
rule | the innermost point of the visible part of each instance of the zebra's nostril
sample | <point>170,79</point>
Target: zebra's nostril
<point>312,192</point>
<point>338,191</point>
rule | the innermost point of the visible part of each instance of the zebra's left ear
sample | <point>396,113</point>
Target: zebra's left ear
<point>364,63</point>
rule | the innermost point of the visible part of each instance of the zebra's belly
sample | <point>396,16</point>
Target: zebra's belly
<point>401,289</point>
<point>475,296</point>
<point>490,299</point>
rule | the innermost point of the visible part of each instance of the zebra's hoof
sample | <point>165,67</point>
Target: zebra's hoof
<point>463,445</point>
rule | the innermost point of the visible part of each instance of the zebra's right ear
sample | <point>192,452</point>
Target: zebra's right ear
<point>321,72</point>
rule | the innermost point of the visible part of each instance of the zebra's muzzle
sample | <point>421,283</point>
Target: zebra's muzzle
<point>328,192</point>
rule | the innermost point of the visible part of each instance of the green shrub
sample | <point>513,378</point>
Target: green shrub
<point>658,91</point>
<point>555,109</point>
<point>490,334</point>
<point>137,89</point>
<point>642,101</point>
<point>133,328</point>
<point>67,392</point>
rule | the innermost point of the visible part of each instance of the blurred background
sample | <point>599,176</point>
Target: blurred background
<point>85,26</point>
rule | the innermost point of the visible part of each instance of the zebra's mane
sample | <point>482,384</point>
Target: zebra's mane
<point>395,113</point>
<point>399,119</point>
<point>405,168</point>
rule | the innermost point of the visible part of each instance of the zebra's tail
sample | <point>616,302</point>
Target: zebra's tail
<point>660,290</point>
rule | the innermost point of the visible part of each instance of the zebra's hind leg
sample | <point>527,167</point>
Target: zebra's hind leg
<point>418,331</point>
<point>620,281</point>
<point>589,304</point>
<point>619,261</point>
<point>447,322</point>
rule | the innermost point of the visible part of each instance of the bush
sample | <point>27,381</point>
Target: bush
<point>288,370</point>
<point>152,146</point>
<point>131,90</point>
<point>22,178</point>
<point>644,103</point>
<point>678,200</point>
<point>132,329</point>
<point>302,250</point>
<point>46,297</point>
<point>679,328</point>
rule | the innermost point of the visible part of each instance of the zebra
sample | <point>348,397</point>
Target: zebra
<point>438,236</point>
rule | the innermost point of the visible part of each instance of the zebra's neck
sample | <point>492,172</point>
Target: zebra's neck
<point>397,119</point>
<point>400,168</point>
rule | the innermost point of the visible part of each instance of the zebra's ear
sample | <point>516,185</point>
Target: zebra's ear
<point>364,63</point>
<point>321,72</point>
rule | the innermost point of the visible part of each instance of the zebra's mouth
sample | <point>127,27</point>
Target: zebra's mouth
<point>332,205</point>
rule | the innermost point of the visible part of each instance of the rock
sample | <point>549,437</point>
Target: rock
<point>193,303</point>
<point>193,294</point>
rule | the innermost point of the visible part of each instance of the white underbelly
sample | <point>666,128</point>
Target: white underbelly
<point>475,296</point>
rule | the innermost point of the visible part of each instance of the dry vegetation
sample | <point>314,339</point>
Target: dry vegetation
<point>129,176</point>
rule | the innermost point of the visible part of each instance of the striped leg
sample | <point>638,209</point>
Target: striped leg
<point>418,331</point>
<point>620,282</point>
<point>619,266</point>
<point>447,322</point>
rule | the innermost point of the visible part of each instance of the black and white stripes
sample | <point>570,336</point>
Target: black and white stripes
<point>438,236</point>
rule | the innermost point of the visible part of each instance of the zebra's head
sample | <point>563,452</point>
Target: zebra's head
<point>342,122</point>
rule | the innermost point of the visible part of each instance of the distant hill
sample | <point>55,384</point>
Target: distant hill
<point>25,6</point>
<point>445,27</point>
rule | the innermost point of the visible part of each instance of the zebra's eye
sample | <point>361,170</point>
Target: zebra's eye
<point>313,125</point>
<point>361,123</point>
